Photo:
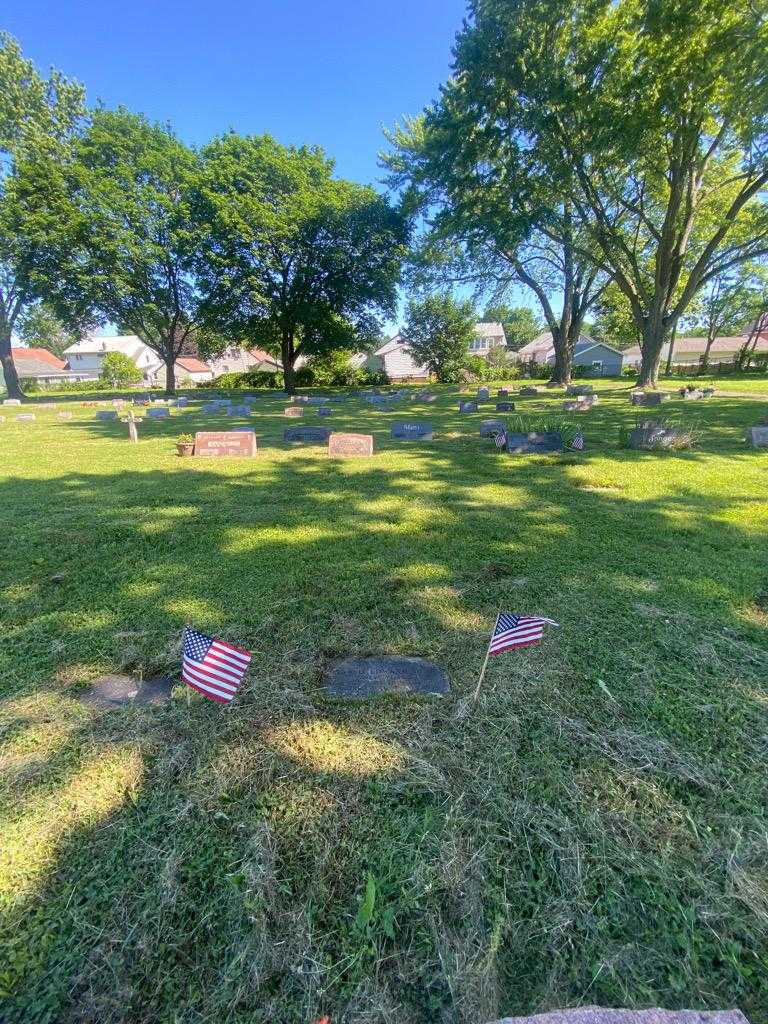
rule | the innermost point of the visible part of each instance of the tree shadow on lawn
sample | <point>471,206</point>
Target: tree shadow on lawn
<point>211,862</point>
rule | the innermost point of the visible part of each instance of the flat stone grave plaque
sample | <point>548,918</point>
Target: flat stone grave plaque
<point>692,395</point>
<point>110,415</point>
<point>64,415</point>
<point>116,691</point>
<point>323,410</point>
<point>11,401</point>
<point>117,402</point>
<point>210,407</point>
<point>425,397</point>
<point>239,410</point>
<point>359,678</point>
<point>293,410</point>
<point>467,406</point>
<point>346,446</point>
<point>574,405</point>
<point>317,401</point>
<point>181,402</point>
<point>239,444</point>
<point>2,419</point>
<point>579,389</point>
<point>307,435</point>
<point>158,414</point>
<point>647,436</point>
<point>25,417</point>
<point>483,394</point>
<point>647,398</point>
<point>412,431</point>
<point>47,405</point>
<point>758,437</point>
<point>601,1015</point>
<point>534,444</point>
<point>505,407</point>
<point>528,392</point>
<point>488,428</point>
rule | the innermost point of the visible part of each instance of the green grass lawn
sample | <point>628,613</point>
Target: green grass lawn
<point>593,830</point>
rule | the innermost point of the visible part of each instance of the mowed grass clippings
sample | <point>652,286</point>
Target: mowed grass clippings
<point>591,830</point>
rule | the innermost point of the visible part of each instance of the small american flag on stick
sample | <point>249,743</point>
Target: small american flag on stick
<point>500,438</point>
<point>577,444</point>
<point>512,631</point>
<point>213,667</point>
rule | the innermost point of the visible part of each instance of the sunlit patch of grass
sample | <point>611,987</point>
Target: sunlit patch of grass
<point>324,747</point>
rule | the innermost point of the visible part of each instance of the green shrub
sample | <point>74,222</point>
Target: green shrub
<point>245,381</point>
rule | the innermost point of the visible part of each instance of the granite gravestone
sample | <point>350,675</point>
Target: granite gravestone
<point>239,410</point>
<point>505,407</point>
<point>63,415</point>
<point>647,436</point>
<point>106,415</point>
<point>412,431</point>
<point>483,394</point>
<point>12,401</point>
<point>358,678</point>
<point>317,401</point>
<point>158,414</point>
<point>503,393</point>
<point>758,437</point>
<point>579,389</point>
<point>489,428</point>
<point>116,691</point>
<point>307,435</point>
<point>528,391</point>
<point>293,411</point>
<point>323,410</point>
<point>467,406</point>
<point>25,417</point>
<point>349,446</point>
<point>647,398</point>
<point>225,444</point>
<point>534,443</point>
<point>181,402</point>
<point>210,407</point>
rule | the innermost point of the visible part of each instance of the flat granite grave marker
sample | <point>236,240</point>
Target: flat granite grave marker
<point>307,435</point>
<point>46,405</point>
<point>293,410</point>
<point>758,437</point>
<point>108,415</point>
<point>25,417</point>
<point>534,444</point>
<point>412,431</point>
<point>323,410</point>
<point>489,428</point>
<point>159,414</point>
<point>239,410</point>
<point>647,398</point>
<point>12,401</point>
<point>528,391</point>
<point>210,407</point>
<point>505,407</point>
<point>601,1015</point>
<point>347,446</point>
<point>359,678</point>
<point>63,415</point>
<point>239,444</point>
<point>467,406</point>
<point>115,691</point>
<point>317,401</point>
<point>579,389</point>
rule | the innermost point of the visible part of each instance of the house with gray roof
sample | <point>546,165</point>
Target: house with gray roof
<point>600,360</point>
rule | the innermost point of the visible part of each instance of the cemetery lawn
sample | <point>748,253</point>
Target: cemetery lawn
<point>592,830</point>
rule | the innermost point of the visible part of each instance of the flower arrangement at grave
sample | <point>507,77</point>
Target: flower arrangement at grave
<point>185,445</point>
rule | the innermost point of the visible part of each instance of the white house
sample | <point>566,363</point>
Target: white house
<point>489,335</point>
<point>241,360</point>
<point>86,356</point>
<point>397,362</point>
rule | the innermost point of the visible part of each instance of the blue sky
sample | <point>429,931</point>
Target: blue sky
<point>332,72</point>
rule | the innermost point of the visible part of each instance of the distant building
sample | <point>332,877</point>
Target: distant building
<point>600,360</point>
<point>489,335</point>
<point>243,360</point>
<point>43,367</point>
<point>689,351</point>
<point>86,356</point>
<point>394,358</point>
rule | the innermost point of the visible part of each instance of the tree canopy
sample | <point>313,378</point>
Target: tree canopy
<point>520,323</point>
<point>295,260</point>
<point>438,330</point>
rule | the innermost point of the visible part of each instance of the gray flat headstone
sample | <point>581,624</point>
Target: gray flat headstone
<point>358,678</point>
<point>307,435</point>
<point>158,414</point>
<point>115,691</point>
<point>412,431</point>
<point>323,410</point>
<point>25,417</point>
<point>317,401</point>
<point>528,391</point>
<point>467,406</point>
<point>579,389</point>
<point>599,1015</point>
<point>488,428</point>
<point>652,435</point>
<point>210,407</point>
<point>534,444</point>
<point>505,407</point>
<point>11,401</point>
<point>113,415</point>
<point>239,410</point>
<point>181,402</point>
<point>647,398</point>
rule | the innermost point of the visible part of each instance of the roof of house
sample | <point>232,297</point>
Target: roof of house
<point>697,346</point>
<point>264,357</point>
<point>35,367</point>
<point>42,354</point>
<point>129,344</point>
<point>490,329</point>
<point>542,346</point>
<point>193,365</point>
<point>396,341</point>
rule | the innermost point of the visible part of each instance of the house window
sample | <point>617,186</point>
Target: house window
<point>597,366</point>
<point>480,344</point>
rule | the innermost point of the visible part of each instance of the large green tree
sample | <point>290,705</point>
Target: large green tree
<point>297,262</point>
<point>438,330</point>
<point>38,325</point>
<point>38,117</point>
<point>130,237</point>
<point>520,323</point>
<point>650,118</point>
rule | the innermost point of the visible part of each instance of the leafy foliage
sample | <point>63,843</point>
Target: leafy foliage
<point>119,371</point>
<point>439,330</point>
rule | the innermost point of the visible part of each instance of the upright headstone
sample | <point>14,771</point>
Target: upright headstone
<point>483,394</point>
<point>350,446</point>
<point>503,393</point>
<point>307,435</point>
<point>647,398</point>
<point>103,415</point>
<point>534,443</point>
<point>467,406</point>
<point>181,402</point>
<point>158,414</point>
<point>528,391</point>
<point>239,410</point>
<point>758,436</point>
<point>505,407</point>
<point>418,431</point>
<point>225,444</point>
<point>489,428</point>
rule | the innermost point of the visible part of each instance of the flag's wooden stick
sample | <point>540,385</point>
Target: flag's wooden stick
<point>485,663</point>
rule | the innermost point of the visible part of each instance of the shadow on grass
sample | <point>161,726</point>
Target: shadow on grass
<point>211,863</point>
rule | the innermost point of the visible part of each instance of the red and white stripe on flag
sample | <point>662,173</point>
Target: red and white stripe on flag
<point>516,631</point>
<point>213,667</point>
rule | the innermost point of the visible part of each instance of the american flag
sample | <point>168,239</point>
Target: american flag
<point>213,667</point>
<point>577,444</point>
<point>517,631</point>
<point>500,438</point>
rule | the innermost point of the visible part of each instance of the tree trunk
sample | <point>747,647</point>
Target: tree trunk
<point>170,378</point>
<point>288,357</point>
<point>563,346</point>
<point>671,352</point>
<point>12,385</point>
<point>652,344</point>
<point>705,358</point>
